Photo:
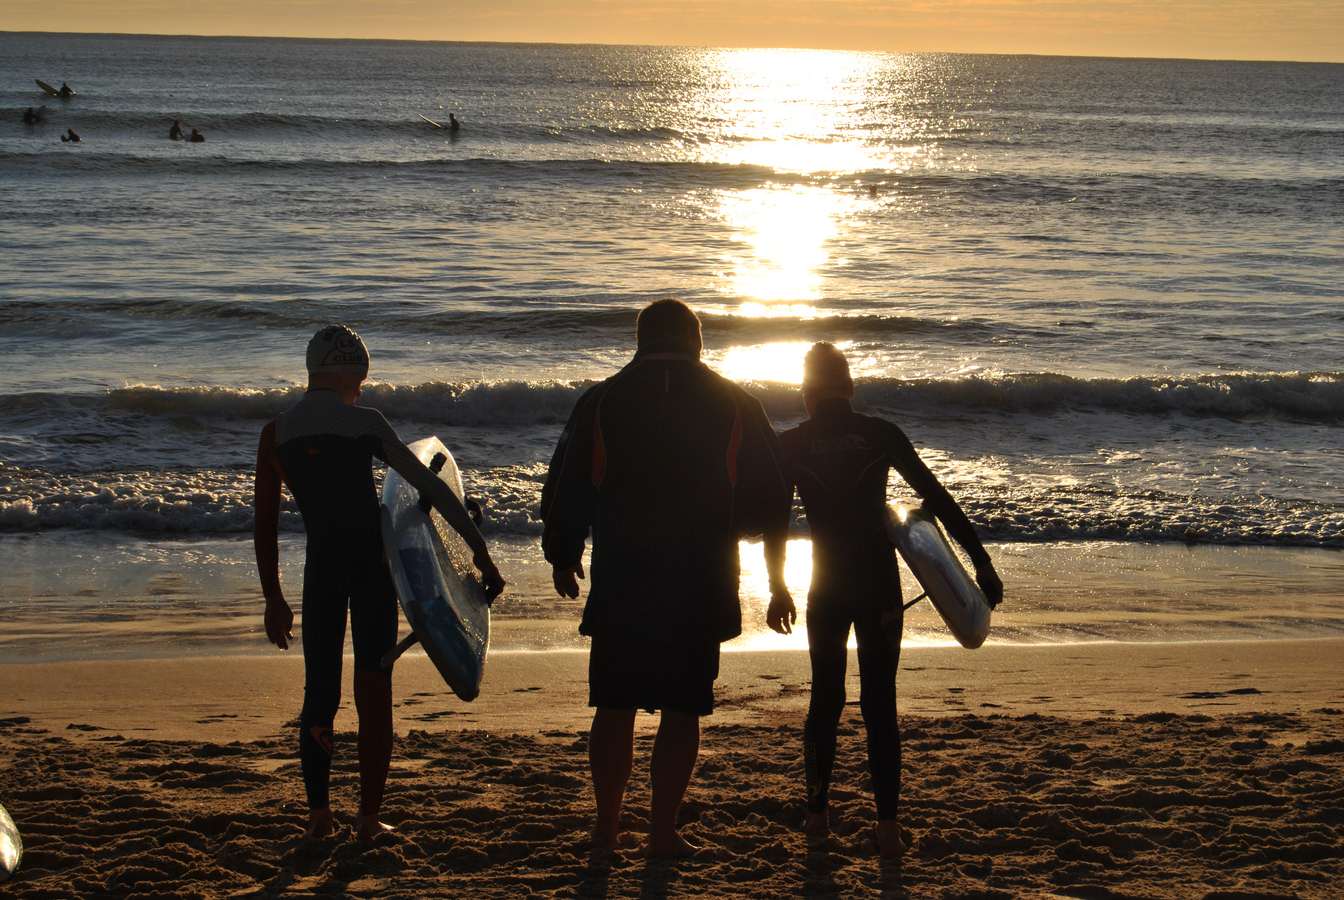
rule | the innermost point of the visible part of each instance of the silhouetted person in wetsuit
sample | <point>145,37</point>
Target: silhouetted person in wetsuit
<point>29,117</point>
<point>65,93</point>
<point>323,449</point>
<point>839,461</point>
<point>70,137</point>
<point>453,124</point>
<point>196,137</point>
<point>175,133</point>
<point>667,465</point>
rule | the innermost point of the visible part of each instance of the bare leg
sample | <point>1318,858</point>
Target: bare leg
<point>674,753</point>
<point>611,750</point>
<point>889,843</point>
<point>373,700</point>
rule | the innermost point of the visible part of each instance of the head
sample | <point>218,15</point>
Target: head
<point>825,376</point>
<point>668,326</point>
<point>338,361</point>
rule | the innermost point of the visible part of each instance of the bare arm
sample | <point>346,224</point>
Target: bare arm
<point>266,539</point>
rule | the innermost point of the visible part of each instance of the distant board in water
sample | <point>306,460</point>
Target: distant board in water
<point>954,593</point>
<point>51,91</point>
<point>429,120</point>
<point>436,582</point>
<point>11,845</point>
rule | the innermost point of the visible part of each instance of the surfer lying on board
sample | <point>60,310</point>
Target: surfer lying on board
<point>323,448</point>
<point>839,461</point>
<point>642,465</point>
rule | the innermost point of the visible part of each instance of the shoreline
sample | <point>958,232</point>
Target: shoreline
<point>91,596</point>
<point>254,697</point>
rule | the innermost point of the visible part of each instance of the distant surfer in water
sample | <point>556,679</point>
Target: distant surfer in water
<point>839,461</point>
<point>667,465</point>
<point>453,124</point>
<point>29,116</point>
<point>65,93</point>
<point>323,448</point>
<point>175,133</point>
<point>196,137</point>
<point>70,137</point>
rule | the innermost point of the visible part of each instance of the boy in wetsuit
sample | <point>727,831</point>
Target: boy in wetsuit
<point>839,460</point>
<point>323,448</point>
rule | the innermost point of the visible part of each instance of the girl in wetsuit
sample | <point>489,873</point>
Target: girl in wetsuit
<point>839,460</point>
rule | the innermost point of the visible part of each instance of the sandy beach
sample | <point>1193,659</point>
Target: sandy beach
<point>1148,770</point>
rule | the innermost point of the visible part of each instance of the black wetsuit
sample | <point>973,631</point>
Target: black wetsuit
<point>326,449</point>
<point>839,461</point>
<point>667,464</point>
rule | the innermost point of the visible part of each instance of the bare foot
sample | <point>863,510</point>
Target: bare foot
<point>670,847</point>
<point>368,828</point>
<point>889,843</point>
<point>321,823</point>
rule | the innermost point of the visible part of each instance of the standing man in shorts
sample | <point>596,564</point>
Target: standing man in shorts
<point>667,465</point>
<point>323,449</point>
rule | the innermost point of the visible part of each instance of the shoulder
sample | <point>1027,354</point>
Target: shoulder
<point>887,431</point>
<point>371,421</point>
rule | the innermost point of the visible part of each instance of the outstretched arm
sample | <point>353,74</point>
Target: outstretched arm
<point>266,539</point>
<point>939,502</point>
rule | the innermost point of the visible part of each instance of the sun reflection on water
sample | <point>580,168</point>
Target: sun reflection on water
<point>796,110</point>
<point>780,362</point>
<point>783,234</point>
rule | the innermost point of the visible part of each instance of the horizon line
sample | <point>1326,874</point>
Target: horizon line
<point>392,40</point>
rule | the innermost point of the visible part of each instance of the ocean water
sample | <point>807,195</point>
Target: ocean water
<point>1102,296</point>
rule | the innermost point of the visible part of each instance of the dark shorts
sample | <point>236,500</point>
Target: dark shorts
<point>641,674</point>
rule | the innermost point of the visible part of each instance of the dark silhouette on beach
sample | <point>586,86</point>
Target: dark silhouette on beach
<point>839,460</point>
<point>666,464</point>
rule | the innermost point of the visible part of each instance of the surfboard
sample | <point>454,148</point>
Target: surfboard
<point>46,88</point>
<point>429,120</point>
<point>11,845</point>
<point>939,571</point>
<point>436,583</point>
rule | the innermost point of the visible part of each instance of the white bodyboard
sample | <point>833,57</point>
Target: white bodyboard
<point>436,582</point>
<point>954,593</point>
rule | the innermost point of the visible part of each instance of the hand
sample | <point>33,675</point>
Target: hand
<point>990,584</point>
<point>782,614</point>
<point>279,622</point>
<point>566,580</point>
<point>491,580</point>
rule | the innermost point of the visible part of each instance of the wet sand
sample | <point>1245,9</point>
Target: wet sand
<point>1104,770</point>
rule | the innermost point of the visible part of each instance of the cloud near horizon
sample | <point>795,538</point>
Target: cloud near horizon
<point>1235,29</point>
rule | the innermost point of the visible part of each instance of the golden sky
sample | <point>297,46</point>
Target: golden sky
<point>1218,29</point>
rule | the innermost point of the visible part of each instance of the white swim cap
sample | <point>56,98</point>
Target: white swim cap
<point>336,349</point>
